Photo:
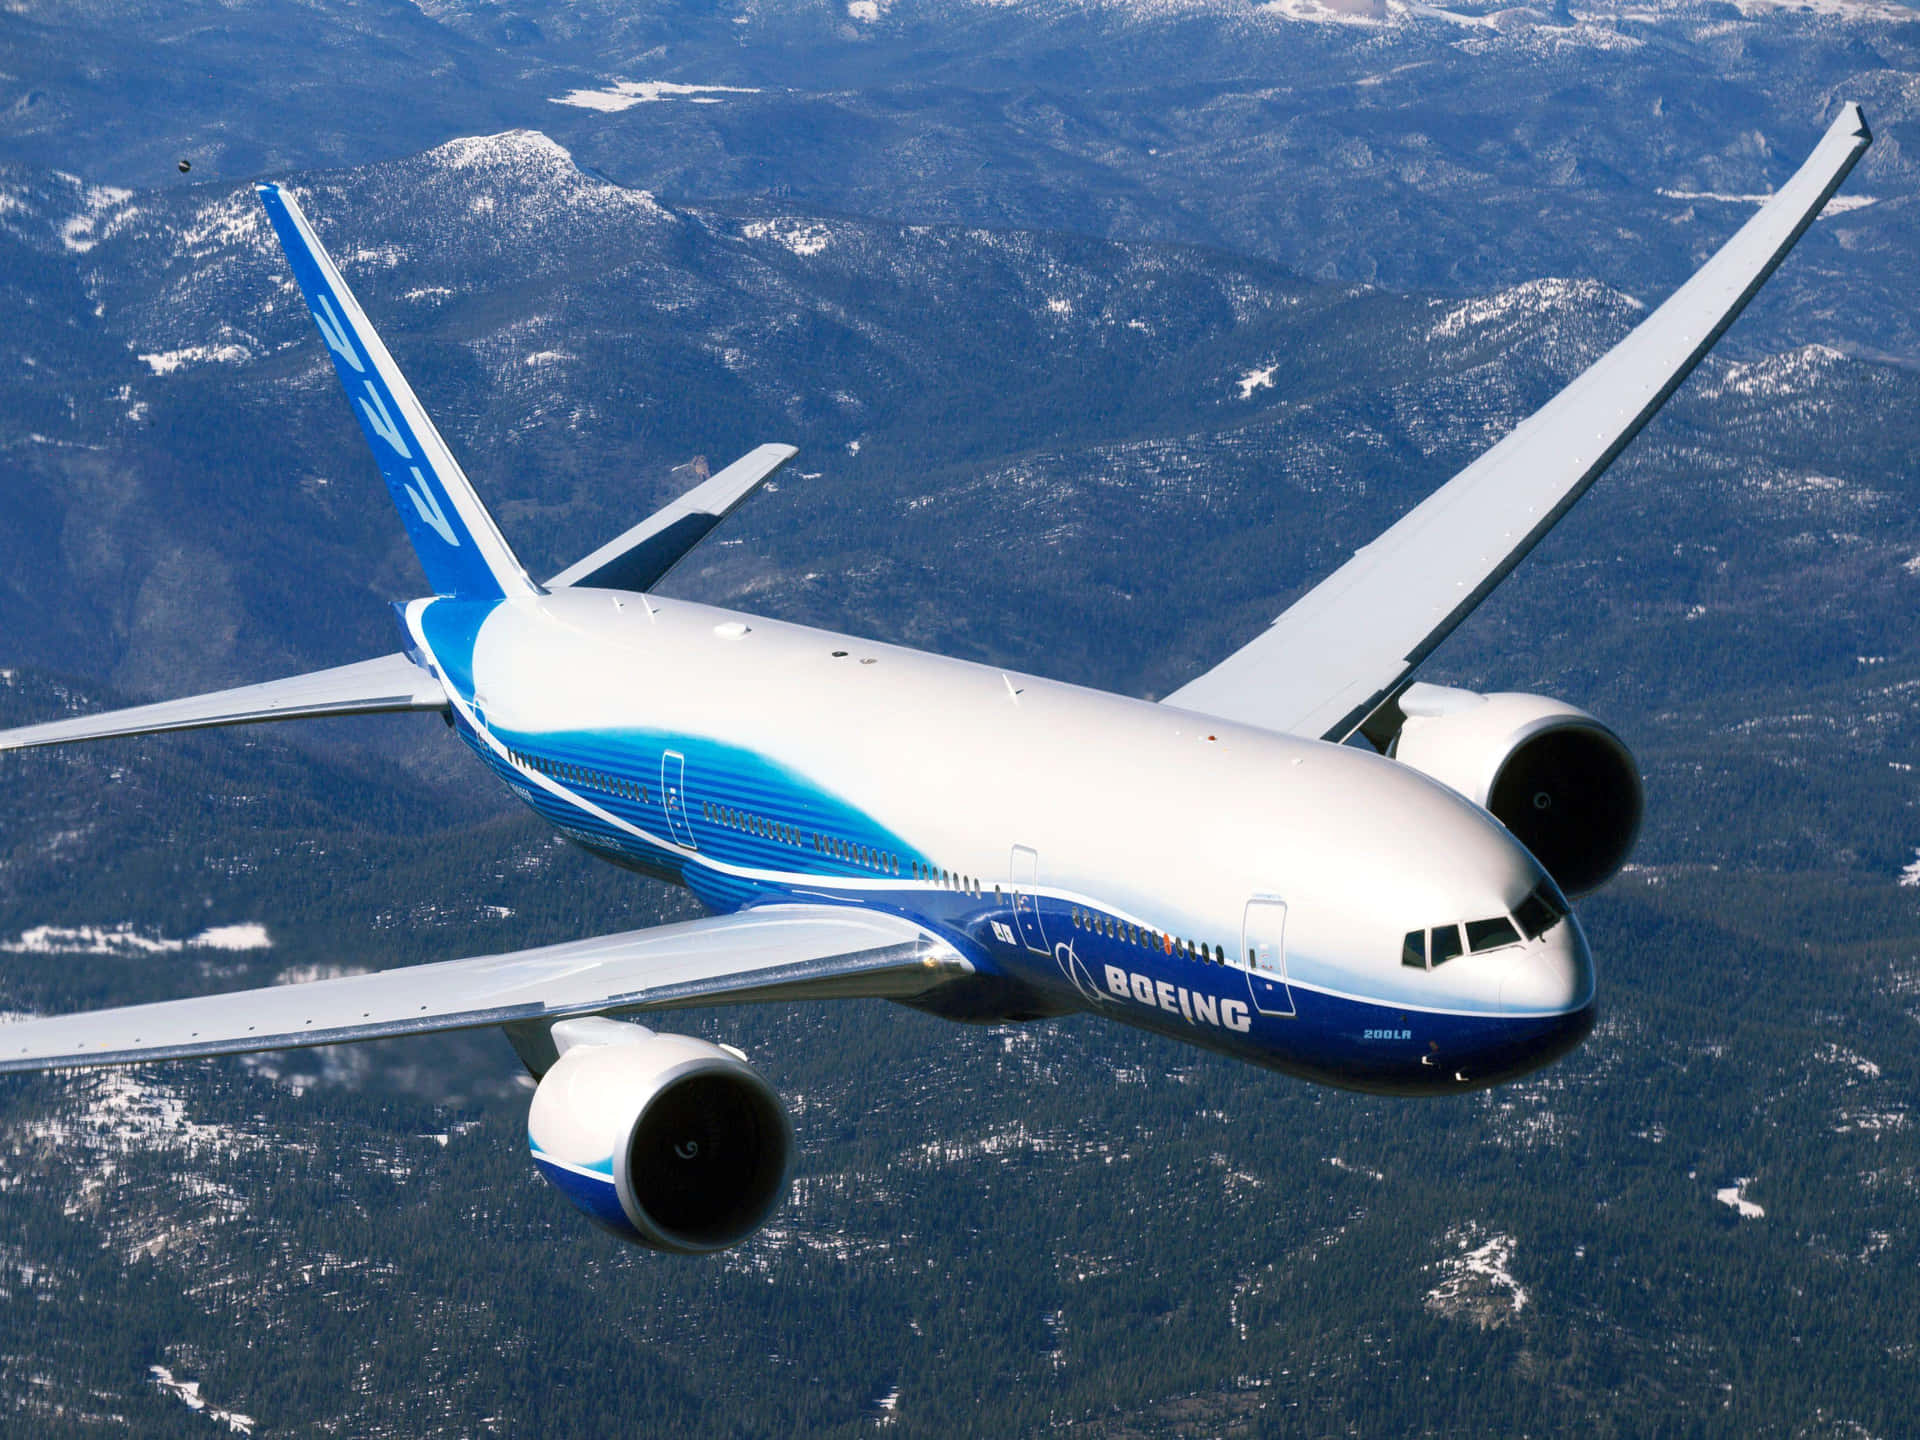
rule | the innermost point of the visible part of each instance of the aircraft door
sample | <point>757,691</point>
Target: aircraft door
<point>1025,871</point>
<point>673,788</point>
<point>1263,954</point>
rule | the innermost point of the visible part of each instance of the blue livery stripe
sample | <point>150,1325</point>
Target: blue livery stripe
<point>593,1195</point>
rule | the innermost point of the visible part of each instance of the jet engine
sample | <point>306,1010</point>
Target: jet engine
<point>664,1140</point>
<point>1562,782</point>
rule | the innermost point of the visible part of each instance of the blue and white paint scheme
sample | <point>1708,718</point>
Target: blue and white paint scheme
<point>1304,858</point>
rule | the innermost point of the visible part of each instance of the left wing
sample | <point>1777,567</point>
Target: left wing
<point>793,952</point>
<point>1345,649</point>
<point>369,687</point>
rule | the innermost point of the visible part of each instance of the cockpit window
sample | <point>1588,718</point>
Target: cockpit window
<point>1446,943</point>
<point>1491,934</point>
<point>1413,950</point>
<point>1540,911</point>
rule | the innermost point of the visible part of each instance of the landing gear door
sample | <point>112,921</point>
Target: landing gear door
<point>1263,953</point>
<point>1025,873</point>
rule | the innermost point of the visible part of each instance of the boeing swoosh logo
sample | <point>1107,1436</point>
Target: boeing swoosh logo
<point>428,505</point>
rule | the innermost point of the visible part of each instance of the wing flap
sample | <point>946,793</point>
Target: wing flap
<point>798,952</point>
<point>1345,646</point>
<point>369,687</point>
<point>640,558</point>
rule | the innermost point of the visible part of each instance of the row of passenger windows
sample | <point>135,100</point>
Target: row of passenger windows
<point>854,853</point>
<point>1152,939</point>
<point>581,775</point>
<point>1532,918</point>
<point>965,884</point>
<point>851,851</point>
<point>751,824</point>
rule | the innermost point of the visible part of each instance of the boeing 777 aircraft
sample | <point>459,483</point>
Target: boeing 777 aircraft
<point>1302,858</point>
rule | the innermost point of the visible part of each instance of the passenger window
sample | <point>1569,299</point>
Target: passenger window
<point>1446,944</point>
<point>1491,934</point>
<point>1413,949</point>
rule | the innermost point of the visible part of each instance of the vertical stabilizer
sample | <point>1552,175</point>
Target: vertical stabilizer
<point>459,546</point>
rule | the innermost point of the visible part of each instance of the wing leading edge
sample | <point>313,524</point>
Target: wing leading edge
<point>796,952</point>
<point>1346,647</point>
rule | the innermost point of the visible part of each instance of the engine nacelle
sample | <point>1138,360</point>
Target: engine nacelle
<point>1562,782</point>
<point>664,1140</point>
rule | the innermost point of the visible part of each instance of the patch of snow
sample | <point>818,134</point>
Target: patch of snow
<point>385,256</point>
<point>167,361</point>
<point>117,1112</point>
<point>1477,1281</point>
<point>548,357</point>
<point>1256,380</point>
<point>865,11</point>
<point>1839,1055</point>
<point>249,936</point>
<point>1837,205</point>
<point>81,233</point>
<point>188,1393</point>
<point>307,974</point>
<point>1792,372</point>
<point>1532,298</point>
<point>1910,877</point>
<point>1734,1196</point>
<point>237,222</point>
<point>802,237</point>
<point>1329,12</point>
<point>1870,1121</point>
<point>125,940</point>
<point>625,94</point>
<point>1058,306</point>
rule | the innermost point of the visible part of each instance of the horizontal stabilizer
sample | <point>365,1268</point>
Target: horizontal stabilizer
<point>641,558</point>
<point>794,952</point>
<point>369,687</point>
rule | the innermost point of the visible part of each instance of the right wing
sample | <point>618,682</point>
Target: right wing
<point>1345,649</point>
<point>641,558</point>
<point>369,687</point>
<point>790,952</point>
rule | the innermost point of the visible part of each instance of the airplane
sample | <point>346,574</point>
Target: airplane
<point>1303,858</point>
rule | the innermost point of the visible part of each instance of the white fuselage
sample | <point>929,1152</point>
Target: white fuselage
<point>1085,849</point>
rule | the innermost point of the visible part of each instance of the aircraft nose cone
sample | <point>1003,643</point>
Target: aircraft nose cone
<point>1551,978</point>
